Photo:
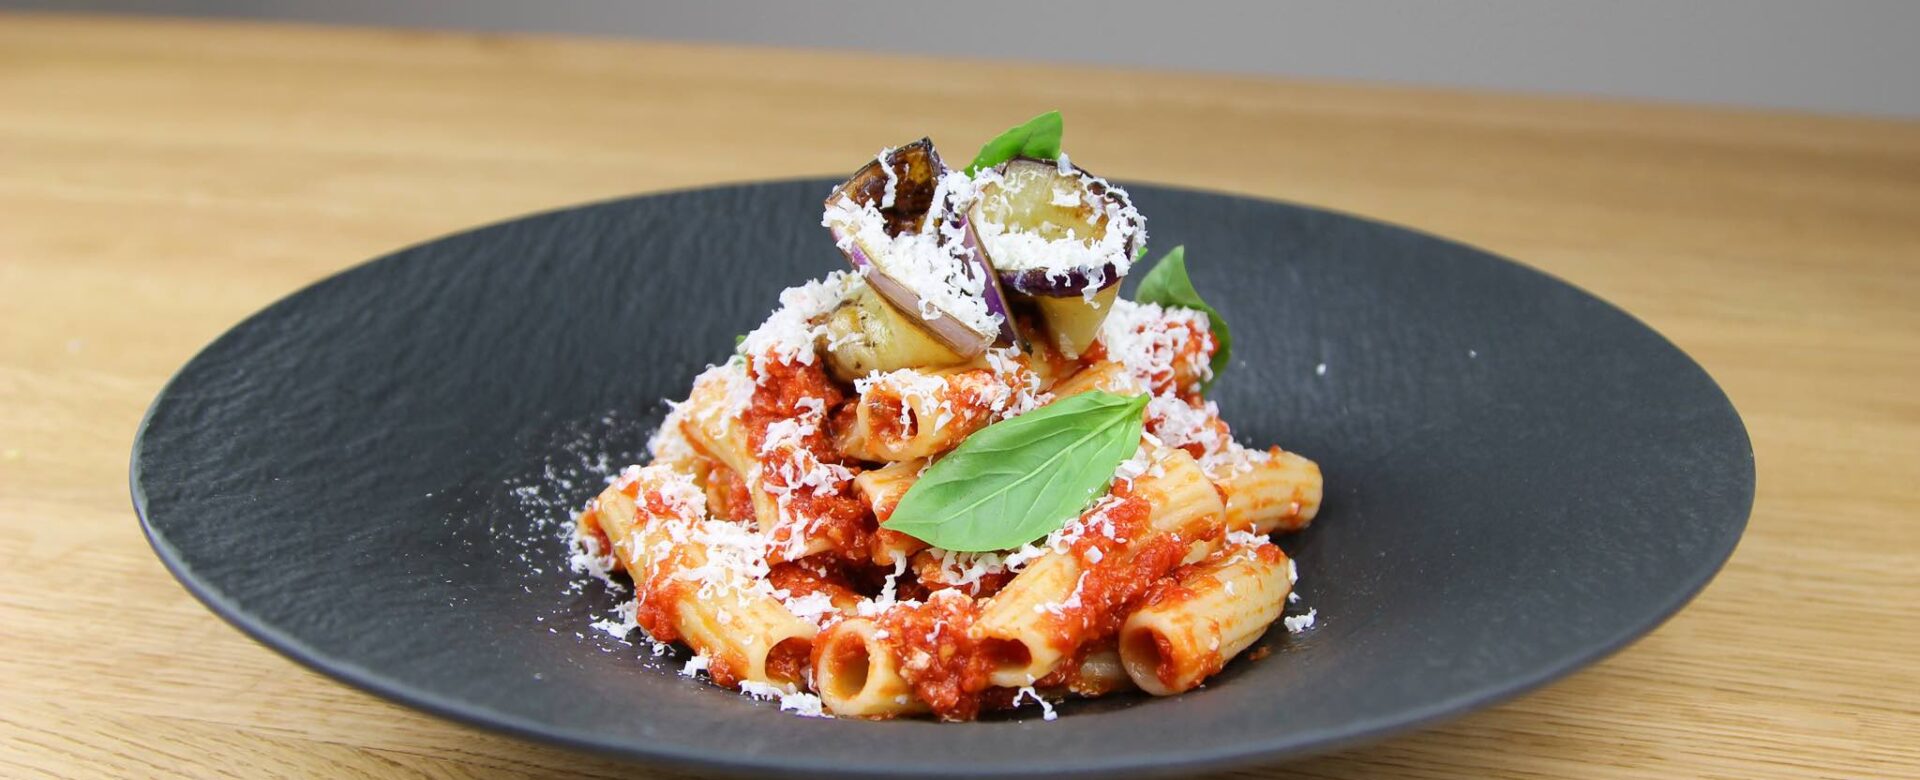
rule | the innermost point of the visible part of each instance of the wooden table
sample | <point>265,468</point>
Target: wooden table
<point>159,181</point>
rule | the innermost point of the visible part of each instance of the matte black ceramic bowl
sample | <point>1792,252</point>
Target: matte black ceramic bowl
<point>372,476</point>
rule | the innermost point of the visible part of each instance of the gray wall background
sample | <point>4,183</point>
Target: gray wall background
<point>1849,56</point>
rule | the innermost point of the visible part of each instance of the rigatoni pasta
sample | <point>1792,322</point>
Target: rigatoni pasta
<point>965,476</point>
<point>1203,615</point>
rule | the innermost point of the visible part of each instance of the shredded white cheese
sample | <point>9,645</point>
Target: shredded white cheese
<point>934,262</point>
<point>893,178</point>
<point>789,334</point>
<point>815,608</point>
<point>668,443</point>
<point>961,569</point>
<point>1147,339</point>
<point>695,665</point>
<point>624,622</point>
<point>587,557</point>
<point>1060,256</point>
<point>1046,707</point>
<point>805,704</point>
<point>1300,623</point>
<point>917,390</point>
<point>797,469</point>
<point>1024,385</point>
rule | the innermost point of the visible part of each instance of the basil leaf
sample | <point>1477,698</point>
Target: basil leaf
<point>1039,138</point>
<point>1167,285</point>
<point>1017,480</point>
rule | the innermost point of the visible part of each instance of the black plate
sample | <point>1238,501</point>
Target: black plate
<point>372,476</point>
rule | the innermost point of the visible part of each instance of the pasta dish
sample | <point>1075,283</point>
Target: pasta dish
<point>962,475</point>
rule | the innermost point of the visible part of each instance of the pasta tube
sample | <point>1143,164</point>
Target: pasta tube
<point>1102,375</point>
<point>916,414</point>
<point>882,488</point>
<point>714,427</point>
<point>1277,492</point>
<point>797,500</point>
<point>858,675</point>
<point>1204,615</point>
<point>1098,674</point>
<point>692,582</point>
<point>1071,593</point>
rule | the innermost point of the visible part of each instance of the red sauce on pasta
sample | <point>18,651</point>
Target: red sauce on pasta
<point>789,660</point>
<point>937,654</point>
<point>791,390</point>
<point>657,608</point>
<point>726,669</point>
<point>1118,573</point>
<point>595,537</point>
<point>810,575</point>
<point>735,501</point>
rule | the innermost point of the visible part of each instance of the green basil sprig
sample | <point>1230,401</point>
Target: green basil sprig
<point>1017,480</point>
<point>1167,285</point>
<point>1039,139</point>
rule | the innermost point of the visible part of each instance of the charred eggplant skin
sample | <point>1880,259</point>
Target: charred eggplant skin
<point>912,172</point>
<point>1071,284</point>
<point>902,185</point>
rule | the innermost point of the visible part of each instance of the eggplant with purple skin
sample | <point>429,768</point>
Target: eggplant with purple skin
<point>1060,238</point>
<point>895,223</point>
<point>866,334</point>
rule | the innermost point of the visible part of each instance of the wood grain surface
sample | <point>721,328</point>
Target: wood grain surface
<point>159,181</point>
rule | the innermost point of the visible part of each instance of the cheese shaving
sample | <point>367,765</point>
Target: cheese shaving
<point>1148,339</point>
<point>1028,692</point>
<point>789,334</point>
<point>805,704</point>
<point>1121,228</point>
<point>935,262</point>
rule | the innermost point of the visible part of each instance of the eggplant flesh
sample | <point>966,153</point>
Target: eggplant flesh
<point>866,334</point>
<point>1074,322</point>
<point>903,187</point>
<point>1035,204</point>
<point>1030,212</point>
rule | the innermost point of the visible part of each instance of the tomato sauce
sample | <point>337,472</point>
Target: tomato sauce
<point>930,573</point>
<point>808,576</point>
<point>729,495</point>
<point>595,539</point>
<point>789,660</point>
<point>726,669</point>
<point>658,609</point>
<point>1118,575</point>
<point>791,390</point>
<point>937,654</point>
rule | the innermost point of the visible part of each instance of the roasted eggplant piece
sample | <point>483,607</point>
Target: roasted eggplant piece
<point>866,334</point>
<point>895,224</point>
<point>1059,237</point>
